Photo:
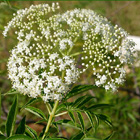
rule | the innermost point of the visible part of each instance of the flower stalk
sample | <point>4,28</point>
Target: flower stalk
<point>48,108</point>
<point>52,114</point>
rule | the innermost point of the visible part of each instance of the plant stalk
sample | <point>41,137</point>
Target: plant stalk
<point>49,108</point>
<point>52,114</point>
<point>63,113</point>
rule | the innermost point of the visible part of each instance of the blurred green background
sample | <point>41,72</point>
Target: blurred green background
<point>125,115</point>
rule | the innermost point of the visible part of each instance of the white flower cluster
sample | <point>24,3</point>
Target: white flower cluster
<point>43,63</point>
<point>106,48</point>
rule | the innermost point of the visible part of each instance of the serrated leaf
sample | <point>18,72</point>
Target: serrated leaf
<point>85,101</point>
<point>19,137</point>
<point>36,111</point>
<point>78,101</point>
<point>31,101</point>
<point>81,120</point>
<point>105,119</point>
<point>31,132</point>
<point>72,116</point>
<point>96,122</point>
<point>68,123</point>
<point>89,115</point>
<point>78,89</point>
<point>21,127</point>
<point>98,106</point>
<point>10,123</point>
<point>96,119</point>
<point>80,135</point>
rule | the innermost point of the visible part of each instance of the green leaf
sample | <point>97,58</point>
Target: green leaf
<point>19,137</point>
<point>68,123</point>
<point>77,90</point>
<point>80,135</point>
<point>81,120</point>
<point>91,139</point>
<point>72,116</point>
<point>54,139</point>
<point>2,137</point>
<point>89,115</point>
<point>10,123</point>
<point>82,101</point>
<point>53,130</point>
<point>78,101</point>
<point>10,92</point>
<point>96,119</point>
<point>56,126</point>
<point>31,101</point>
<point>36,111</point>
<point>41,121</point>
<point>96,122</point>
<point>105,119</point>
<point>21,127</point>
<point>61,107</point>
<point>131,116</point>
<point>98,106</point>
<point>109,136</point>
<point>31,132</point>
<point>1,133</point>
<point>85,101</point>
<point>42,133</point>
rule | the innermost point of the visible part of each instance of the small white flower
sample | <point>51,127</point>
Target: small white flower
<point>53,56</point>
<point>52,68</point>
<point>107,87</point>
<point>57,96</point>
<point>46,90</point>
<point>64,42</point>
<point>97,83</point>
<point>103,79</point>
<point>62,66</point>
<point>44,74</point>
<point>116,53</point>
<point>85,27</point>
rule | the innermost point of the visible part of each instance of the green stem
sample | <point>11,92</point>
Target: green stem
<point>52,114</point>
<point>74,42</point>
<point>48,107</point>
<point>63,113</point>
<point>75,54</point>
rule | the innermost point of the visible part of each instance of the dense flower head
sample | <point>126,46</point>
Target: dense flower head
<point>54,49</point>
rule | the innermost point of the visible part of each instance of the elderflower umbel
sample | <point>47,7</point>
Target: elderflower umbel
<point>44,63</point>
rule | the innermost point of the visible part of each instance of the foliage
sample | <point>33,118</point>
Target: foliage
<point>75,109</point>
